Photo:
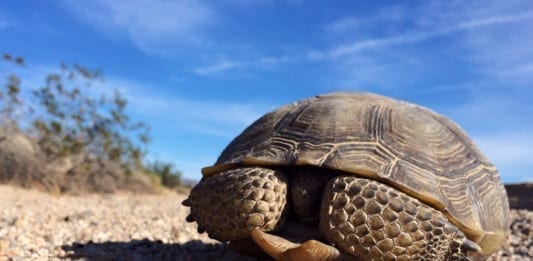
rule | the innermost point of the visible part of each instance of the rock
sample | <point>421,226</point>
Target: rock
<point>22,164</point>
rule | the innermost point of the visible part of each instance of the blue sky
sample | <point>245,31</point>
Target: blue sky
<point>200,71</point>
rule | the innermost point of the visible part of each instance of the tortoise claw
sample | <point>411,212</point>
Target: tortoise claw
<point>468,245</point>
<point>186,202</point>
<point>190,218</point>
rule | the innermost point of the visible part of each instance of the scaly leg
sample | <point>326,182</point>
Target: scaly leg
<point>374,221</point>
<point>229,205</point>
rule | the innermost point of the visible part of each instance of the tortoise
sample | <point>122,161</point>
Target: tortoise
<point>346,176</point>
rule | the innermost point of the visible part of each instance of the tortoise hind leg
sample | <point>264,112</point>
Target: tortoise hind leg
<point>229,205</point>
<point>371,220</point>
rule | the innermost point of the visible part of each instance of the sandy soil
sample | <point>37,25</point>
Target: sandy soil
<point>125,226</point>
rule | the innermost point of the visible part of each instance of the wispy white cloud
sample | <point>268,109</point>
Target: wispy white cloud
<point>273,60</point>
<point>249,3</point>
<point>226,65</point>
<point>219,67</point>
<point>384,20</point>
<point>503,54</point>
<point>521,74</point>
<point>387,20</point>
<point>260,3</point>
<point>416,36</point>
<point>154,25</point>
<point>344,24</point>
<point>488,40</point>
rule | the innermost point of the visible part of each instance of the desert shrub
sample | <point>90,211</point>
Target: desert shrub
<point>165,171</point>
<point>67,116</point>
<point>9,95</point>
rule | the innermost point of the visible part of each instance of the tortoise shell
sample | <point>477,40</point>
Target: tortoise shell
<point>405,146</point>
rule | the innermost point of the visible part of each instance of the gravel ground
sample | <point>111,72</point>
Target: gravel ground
<point>122,226</point>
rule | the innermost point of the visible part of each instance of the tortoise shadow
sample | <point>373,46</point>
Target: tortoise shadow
<point>150,250</point>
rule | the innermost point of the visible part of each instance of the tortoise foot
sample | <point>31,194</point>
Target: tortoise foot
<point>282,249</point>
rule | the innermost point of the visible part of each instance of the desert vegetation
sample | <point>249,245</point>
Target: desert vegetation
<point>65,135</point>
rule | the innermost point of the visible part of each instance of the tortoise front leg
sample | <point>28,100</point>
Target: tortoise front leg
<point>373,221</point>
<point>229,205</point>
